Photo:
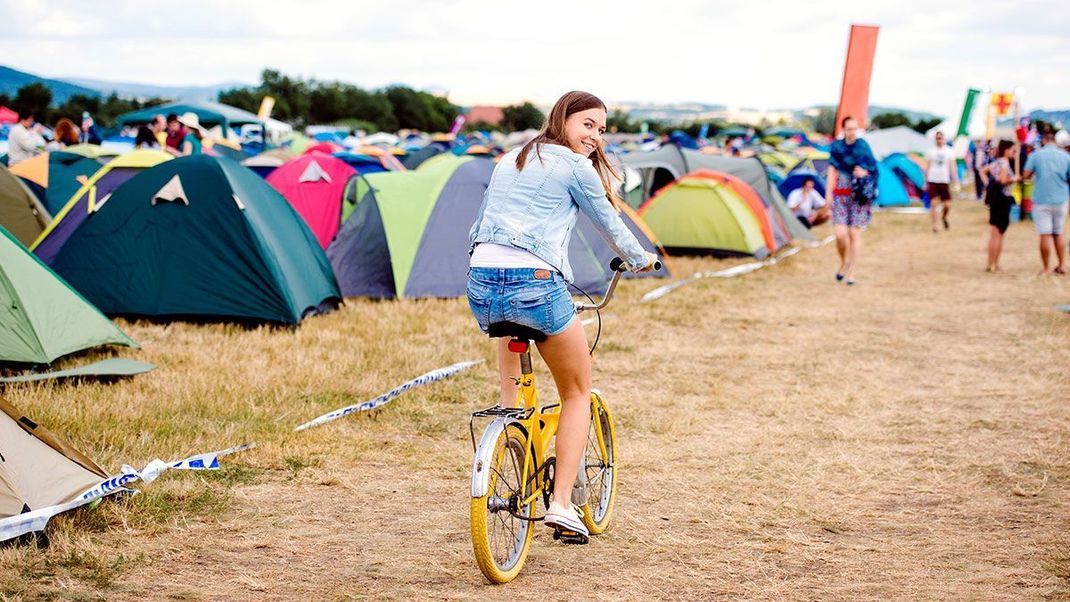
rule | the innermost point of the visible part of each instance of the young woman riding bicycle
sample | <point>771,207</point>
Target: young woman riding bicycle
<point>519,265</point>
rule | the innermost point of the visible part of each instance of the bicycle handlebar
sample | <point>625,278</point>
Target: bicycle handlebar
<point>618,268</point>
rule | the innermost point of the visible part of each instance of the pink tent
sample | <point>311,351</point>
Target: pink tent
<point>7,115</point>
<point>314,184</point>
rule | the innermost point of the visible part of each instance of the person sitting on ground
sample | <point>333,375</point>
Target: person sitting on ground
<point>24,140</point>
<point>191,144</point>
<point>148,134</point>
<point>808,205</point>
<point>999,178</point>
<point>63,135</point>
<point>175,135</point>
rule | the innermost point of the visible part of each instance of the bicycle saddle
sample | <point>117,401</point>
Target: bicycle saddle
<point>515,331</point>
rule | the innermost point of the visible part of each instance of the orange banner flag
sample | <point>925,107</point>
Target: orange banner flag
<point>854,94</point>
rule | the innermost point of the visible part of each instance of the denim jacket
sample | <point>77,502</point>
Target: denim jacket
<point>535,209</point>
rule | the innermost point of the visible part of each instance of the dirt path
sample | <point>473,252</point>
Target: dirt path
<point>782,437</point>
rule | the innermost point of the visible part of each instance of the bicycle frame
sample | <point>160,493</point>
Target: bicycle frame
<point>539,425</point>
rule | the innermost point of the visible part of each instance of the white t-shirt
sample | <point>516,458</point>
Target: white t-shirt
<point>490,255</point>
<point>804,205</point>
<point>940,161</point>
<point>22,144</point>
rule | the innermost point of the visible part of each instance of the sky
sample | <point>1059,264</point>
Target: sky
<point>763,54</point>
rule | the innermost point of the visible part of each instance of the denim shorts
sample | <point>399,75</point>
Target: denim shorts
<point>516,295</point>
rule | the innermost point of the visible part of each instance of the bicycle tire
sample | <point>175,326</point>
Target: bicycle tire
<point>491,528</point>
<point>600,471</point>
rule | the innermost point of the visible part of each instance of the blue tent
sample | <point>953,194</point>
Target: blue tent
<point>906,168</point>
<point>892,191</point>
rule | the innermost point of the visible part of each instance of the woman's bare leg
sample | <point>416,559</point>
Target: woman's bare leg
<point>569,360</point>
<point>509,372</point>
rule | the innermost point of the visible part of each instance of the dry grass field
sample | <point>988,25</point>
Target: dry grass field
<point>782,437</point>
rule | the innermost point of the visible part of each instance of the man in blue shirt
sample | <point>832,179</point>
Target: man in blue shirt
<point>1050,168</point>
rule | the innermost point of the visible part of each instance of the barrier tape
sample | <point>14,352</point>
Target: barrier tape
<point>736,270</point>
<point>371,404</point>
<point>21,524</point>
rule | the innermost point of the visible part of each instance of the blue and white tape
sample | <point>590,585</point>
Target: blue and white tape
<point>36,520</point>
<point>371,404</point>
<point>734,271</point>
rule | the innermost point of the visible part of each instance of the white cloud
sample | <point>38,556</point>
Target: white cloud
<point>776,53</point>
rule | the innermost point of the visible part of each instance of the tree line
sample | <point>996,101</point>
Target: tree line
<point>37,98</point>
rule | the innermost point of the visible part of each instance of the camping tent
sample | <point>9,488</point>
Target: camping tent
<point>55,176</point>
<point>209,114</point>
<point>7,115</point>
<point>369,159</point>
<point>203,237</point>
<point>798,176</point>
<point>659,168</point>
<point>41,317</point>
<point>408,234</point>
<point>20,211</point>
<point>268,161</point>
<point>907,169</point>
<point>900,139</point>
<point>891,192</point>
<point>37,468</point>
<point>93,193</point>
<point>704,215</point>
<point>314,184</point>
<point>93,151</point>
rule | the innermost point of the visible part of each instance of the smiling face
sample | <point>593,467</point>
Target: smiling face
<point>584,129</point>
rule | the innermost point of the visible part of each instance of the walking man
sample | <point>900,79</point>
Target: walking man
<point>939,176</point>
<point>1050,169</point>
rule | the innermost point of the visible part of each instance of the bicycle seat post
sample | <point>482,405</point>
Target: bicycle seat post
<point>523,347</point>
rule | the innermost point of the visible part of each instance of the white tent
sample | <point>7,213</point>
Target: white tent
<point>900,139</point>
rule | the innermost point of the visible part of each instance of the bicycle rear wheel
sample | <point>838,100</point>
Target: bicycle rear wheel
<point>500,539</point>
<point>599,468</point>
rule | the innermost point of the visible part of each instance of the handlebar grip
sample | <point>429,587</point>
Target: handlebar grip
<point>617,265</point>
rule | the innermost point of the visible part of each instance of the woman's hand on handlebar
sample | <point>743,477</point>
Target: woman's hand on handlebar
<point>651,262</point>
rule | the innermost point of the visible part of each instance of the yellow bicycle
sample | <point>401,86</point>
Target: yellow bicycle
<point>513,469</point>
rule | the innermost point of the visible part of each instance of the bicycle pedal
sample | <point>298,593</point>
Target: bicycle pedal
<point>570,537</point>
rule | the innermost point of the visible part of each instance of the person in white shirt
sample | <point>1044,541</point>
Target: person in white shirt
<point>808,205</point>
<point>940,173</point>
<point>24,140</point>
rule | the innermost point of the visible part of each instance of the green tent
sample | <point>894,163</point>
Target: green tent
<point>41,316</point>
<point>700,215</point>
<point>209,114</point>
<point>20,211</point>
<point>200,237</point>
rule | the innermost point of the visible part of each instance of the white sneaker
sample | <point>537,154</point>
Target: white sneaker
<point>563,517</point>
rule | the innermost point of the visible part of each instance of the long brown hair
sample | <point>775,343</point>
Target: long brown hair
<point>65,132</point>
<point>553,132</point>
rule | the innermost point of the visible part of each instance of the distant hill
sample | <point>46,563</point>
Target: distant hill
<point>875,110</point>
<point>1059,117</point>
<point>12,79</point>
<point>143,91</point>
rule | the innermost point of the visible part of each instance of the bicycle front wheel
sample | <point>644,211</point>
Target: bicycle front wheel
<point>599,458</point>
<point>501,536</point>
